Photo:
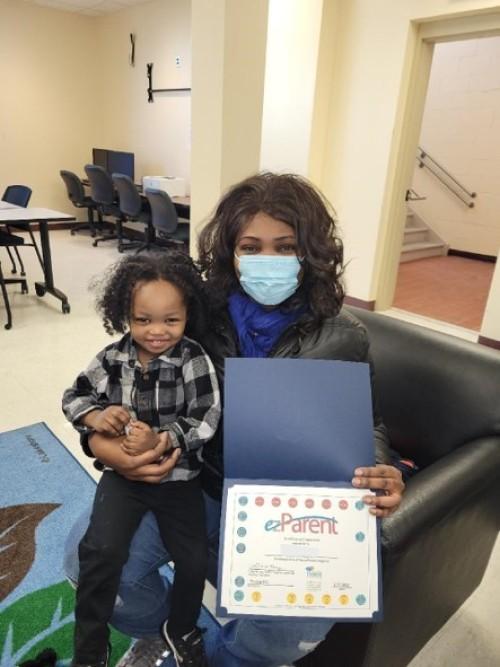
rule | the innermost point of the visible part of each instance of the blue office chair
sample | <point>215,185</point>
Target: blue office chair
<point>10,241</point>
<point>168,229</point>
<point>76,194</point>
<point>103,193</point>
<point>134,208</point>
<point>20,196</point>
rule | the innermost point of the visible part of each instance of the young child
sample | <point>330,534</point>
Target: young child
<point>157,389</point>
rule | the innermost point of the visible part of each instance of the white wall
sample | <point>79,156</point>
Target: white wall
<point>291,63</point>
<point>461,130</point>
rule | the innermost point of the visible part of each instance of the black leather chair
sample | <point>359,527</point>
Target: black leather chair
<point>10,241</point>
<point>168,229</point>
<point>77,196</point>
<point>440,399</point>
<point>20,196</point>
<point>134,208</point>
<point>103,193</point>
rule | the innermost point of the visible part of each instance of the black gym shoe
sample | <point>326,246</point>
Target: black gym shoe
<point>188,651</point>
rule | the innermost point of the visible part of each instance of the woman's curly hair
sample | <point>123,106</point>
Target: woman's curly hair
<point>293,200</point>
<point>116,288</point>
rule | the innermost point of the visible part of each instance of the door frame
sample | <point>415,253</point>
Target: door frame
<point>416,72</point>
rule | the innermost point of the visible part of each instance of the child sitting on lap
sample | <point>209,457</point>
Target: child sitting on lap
<point>157,389</point>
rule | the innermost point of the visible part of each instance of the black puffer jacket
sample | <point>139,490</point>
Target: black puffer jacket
<point>341,338</point>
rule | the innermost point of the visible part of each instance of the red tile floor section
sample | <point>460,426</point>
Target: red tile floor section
<point>451,289</point>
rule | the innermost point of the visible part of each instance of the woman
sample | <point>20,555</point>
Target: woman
<point>273,265</point>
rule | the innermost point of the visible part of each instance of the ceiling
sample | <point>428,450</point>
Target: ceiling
<point>88,7</point>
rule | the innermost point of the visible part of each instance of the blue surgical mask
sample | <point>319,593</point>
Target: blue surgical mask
<point>269,279</point>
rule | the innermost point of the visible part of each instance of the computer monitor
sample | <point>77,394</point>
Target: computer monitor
<point>120,162</point>
<point>115,162</point>
<point>100,157</point>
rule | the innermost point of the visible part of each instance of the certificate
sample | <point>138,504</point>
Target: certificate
<point>293,550</point>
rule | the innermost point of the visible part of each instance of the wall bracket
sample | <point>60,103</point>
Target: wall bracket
<point>152,90</point>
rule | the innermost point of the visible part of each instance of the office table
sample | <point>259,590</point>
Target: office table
<point>42,217</point>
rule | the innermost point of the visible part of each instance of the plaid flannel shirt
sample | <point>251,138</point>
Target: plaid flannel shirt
<point>177,392</point>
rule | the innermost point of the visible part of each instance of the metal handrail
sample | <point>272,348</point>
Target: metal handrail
<point>423,155</point>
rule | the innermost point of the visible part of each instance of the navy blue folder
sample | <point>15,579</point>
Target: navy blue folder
<point>297,419</point>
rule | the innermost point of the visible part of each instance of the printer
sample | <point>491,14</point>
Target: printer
<point>172,185</point>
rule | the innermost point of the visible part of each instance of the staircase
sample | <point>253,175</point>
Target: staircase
<point>420,241</point>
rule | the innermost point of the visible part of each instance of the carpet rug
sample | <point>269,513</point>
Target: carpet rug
<point>43,490</point>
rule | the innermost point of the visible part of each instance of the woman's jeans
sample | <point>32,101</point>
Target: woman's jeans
<point>144,597</point>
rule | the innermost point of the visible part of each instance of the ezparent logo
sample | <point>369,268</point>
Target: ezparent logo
<point>314,524</point>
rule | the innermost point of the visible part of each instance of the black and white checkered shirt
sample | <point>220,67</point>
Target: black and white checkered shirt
<point>177,392</point>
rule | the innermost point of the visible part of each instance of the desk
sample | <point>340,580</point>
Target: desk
<point>4,205</point>
<point>41,216</point>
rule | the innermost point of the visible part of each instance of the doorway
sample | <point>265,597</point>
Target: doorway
<point>452,226</point>
<point>479,37</point>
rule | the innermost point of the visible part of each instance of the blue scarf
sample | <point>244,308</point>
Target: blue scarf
<point>258,329</point>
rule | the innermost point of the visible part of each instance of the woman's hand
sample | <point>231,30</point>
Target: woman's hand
<point>141,468</point>
<point>380,477</point>
<point>110,421</point>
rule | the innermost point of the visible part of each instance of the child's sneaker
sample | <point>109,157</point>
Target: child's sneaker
<point>188,651</point>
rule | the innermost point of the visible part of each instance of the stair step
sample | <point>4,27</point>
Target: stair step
<point>416,235</point>
<point>420,250</point>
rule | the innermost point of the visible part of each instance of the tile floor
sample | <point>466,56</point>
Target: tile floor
<point>44,351</point>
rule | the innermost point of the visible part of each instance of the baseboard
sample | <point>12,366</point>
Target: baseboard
<point>489,342</point>
<point>472,255</point>
<point>359,303</point>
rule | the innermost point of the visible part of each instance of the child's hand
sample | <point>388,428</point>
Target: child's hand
<point>139,439</point>
<point>110,421</point>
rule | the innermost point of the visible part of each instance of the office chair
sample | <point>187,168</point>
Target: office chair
<point>10,241</point>
<point>168,229</point>
<point>76,195</point>
<point>103,193</point>
<point>134,209</point>
<point>20,196</point>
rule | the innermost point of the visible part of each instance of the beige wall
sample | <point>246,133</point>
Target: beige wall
<point>371,66</point>
<point>461,130</point>
<point>47,62</point>
<point>159,133</point>
<point>67,86</point>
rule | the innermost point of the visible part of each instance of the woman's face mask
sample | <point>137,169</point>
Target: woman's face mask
<point>269,279</point>
<point>266,260</point>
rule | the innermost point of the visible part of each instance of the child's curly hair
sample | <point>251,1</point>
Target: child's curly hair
<point>115,289</point>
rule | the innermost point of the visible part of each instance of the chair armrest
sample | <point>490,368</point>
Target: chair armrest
<point>436,492</point>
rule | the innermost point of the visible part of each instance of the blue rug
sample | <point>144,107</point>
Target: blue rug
<point>43,491</point>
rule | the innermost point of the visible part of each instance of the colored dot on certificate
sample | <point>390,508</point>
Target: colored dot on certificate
<point>239,581</point>
<point>292,502</point>
<point>242,516</point>
<point>259,501</point>
<point>256,596</point>
<point>326,599</point>
<point>243,500</point>
<point>360,505</point>
<point>241,548</point>
<point>239,595</point>
<point>344,599</point>
<point>241,532</point>
<point>326,504</point>
<point>291,598</point>
<point>360,599</point>
<point>343,504</point>
<point>309,503</point>
<point>308,598</point>
<point>360,536</point>
<point>276,502</point>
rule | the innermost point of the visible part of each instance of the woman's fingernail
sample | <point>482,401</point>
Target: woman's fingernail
<point>356,481</point>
